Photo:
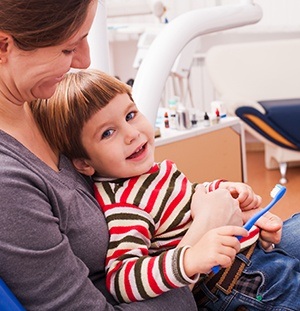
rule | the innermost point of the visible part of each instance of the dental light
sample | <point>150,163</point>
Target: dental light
<point>156,66</point>
<point>158,8</point>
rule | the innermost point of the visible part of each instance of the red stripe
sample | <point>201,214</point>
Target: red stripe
<point>251,235</point>
<point>153,169</point>
<point>175,202</point>
<point>127,285</point>
<point>124,229</point>
<point>117,253</point>
<point>173,243</point>
<point>128,189</point>
<point>132,182</point>
<point>110,274</point>
<point>98,196</point>
<point>151,278</point>
<point>158,187</point>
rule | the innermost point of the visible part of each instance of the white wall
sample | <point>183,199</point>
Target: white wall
<point>280,20</point>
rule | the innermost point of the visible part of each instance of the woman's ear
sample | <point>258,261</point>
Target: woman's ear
<point>83,167</point>
<point>4,39</point>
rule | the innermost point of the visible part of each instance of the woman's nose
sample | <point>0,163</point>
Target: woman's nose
<point>81,58</point>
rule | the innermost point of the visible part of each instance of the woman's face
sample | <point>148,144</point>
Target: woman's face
<point>34,74</point>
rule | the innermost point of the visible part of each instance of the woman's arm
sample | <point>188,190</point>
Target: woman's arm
<point>52,239</point>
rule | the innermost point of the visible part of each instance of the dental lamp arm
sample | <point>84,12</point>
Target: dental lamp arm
<point>156,66</point>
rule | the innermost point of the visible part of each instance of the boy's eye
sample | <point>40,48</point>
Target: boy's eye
<point>107,134</point>
<point>130,115</point>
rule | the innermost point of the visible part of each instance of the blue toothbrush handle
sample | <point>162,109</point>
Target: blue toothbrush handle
<point>216,269</point>
<point>250,223</point>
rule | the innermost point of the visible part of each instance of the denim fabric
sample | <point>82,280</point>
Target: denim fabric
<point>280,272</point>
<point>290,236</point>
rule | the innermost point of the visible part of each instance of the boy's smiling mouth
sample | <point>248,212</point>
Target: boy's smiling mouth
<point>137,153</point>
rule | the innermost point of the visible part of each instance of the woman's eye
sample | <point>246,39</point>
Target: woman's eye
<point>107,134</point>
<point>130,116</point>
<point>67,52</point>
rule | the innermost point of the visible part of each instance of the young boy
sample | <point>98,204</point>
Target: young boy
<point>148,206</point>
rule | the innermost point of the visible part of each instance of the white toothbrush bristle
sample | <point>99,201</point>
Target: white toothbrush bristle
<point>275,190</point>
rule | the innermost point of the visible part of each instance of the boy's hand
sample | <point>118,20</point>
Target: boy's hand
<point>243,193</point>
<point>270,226</point>
<point>217,247</point>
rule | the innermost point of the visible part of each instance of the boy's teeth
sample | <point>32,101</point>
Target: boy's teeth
<point>136,153</point>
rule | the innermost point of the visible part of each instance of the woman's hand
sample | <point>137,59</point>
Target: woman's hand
<point>243,193</point>
<point>216,208</point>
<point>211,210</point>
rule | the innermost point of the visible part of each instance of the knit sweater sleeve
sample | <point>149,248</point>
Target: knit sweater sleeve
<point>132,273</point>
<point>213,185</point>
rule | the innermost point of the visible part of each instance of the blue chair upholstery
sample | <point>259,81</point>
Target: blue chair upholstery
<point>8,301</point>
<point>280,124</point>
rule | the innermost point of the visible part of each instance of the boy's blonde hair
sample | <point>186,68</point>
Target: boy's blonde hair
<point>77,98</point>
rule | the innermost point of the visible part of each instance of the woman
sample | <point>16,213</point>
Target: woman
<point>53,236</point>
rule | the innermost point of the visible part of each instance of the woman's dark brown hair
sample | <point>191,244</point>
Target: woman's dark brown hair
<point>42,23</point>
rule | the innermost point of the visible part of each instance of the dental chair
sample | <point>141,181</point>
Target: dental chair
<point>259,82</point>
<point>8,301</point>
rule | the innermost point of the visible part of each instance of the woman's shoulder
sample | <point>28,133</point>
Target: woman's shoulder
<point>26,180</point>
<point>20,163</point>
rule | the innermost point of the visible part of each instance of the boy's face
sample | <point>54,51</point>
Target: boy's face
<point>119,140</point>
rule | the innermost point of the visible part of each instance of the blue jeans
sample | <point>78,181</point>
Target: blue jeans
<point>280,276</point>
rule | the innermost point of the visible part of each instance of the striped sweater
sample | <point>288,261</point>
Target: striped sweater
<point>147,217</point>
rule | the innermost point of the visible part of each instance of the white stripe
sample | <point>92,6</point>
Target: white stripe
<point>169,269</point>
<point>133,285</point>
<point>103,193</point>
<point>145,280</point>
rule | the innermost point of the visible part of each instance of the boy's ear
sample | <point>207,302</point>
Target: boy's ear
<point>83,167</point>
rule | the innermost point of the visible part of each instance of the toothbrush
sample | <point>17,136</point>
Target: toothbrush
<point>277,193</point>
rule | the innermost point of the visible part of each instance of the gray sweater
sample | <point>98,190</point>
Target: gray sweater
<point>53,238</point>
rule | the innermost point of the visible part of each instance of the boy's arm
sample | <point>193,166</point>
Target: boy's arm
<point>134,274</point>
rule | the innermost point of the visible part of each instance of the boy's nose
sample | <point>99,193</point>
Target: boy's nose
<point>132,134</point>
